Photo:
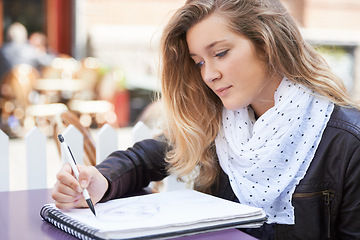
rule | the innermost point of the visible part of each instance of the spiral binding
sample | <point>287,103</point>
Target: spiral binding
<point>67,224</point>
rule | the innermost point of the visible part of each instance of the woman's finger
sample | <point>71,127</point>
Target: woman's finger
<point>66,177</point>
<point>63,193</point>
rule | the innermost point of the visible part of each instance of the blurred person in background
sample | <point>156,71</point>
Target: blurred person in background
<point>17,50</point>
<point>39,41</point>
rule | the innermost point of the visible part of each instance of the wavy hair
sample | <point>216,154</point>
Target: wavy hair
<point>193,111</point>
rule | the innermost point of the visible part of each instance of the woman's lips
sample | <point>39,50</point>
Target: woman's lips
<point>222,91</point>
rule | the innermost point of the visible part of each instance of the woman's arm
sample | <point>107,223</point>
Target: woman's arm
<point>131,170</point>
<point>348,223</point>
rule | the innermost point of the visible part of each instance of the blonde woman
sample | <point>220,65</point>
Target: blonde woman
<point>256,113</point>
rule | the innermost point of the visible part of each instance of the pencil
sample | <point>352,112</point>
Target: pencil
<point>72,162</point>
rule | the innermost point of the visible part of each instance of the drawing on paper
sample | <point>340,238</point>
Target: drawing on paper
<point>134,211</point>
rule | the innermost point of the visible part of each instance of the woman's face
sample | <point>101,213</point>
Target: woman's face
<point>230,66</point>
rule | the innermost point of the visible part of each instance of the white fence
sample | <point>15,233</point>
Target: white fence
<point>36,153</point>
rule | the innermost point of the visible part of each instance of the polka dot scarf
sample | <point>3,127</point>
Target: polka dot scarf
<point>266,158</point>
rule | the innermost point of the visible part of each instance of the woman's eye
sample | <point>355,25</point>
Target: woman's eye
<point>199,64</point>
<point>220,55</point>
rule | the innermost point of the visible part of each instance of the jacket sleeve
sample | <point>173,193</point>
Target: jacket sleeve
<point>349,209</point>
<point>131,170</point>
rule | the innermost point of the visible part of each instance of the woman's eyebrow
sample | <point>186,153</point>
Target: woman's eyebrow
<point>214,44</point>
<point>211,45</point>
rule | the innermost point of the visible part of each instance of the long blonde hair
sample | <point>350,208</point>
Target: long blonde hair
<point>193,111</point>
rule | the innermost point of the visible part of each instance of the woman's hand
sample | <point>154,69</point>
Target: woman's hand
<point>67,191</point>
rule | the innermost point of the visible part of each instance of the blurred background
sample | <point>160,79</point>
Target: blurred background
<point>99,58</point>
<point>92,62</point>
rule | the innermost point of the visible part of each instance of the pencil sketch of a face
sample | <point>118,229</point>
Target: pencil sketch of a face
<point>134,211</point>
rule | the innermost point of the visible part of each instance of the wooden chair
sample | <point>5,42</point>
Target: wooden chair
<point>18,84</point>
<point>20,102</point>
<point>64,120</point>
<point>90,71</point>
<point>88,104</point>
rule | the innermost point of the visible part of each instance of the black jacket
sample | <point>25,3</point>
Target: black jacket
<point>326,201</point>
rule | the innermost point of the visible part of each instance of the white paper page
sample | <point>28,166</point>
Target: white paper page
<point>174,208</point>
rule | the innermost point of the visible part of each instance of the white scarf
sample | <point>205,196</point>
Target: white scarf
<point>266,158</point>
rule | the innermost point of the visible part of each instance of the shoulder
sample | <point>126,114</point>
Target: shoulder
<point>152,145</point>
<point>345,119</point>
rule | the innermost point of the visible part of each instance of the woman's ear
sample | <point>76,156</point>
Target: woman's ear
<point>261,52</point>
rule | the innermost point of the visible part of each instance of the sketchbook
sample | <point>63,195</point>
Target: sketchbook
<point>154,216</point>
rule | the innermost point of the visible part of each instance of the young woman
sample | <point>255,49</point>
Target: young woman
<point>256,113</point>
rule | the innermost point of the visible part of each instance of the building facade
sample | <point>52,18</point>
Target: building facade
<point>128,32</point>
<point>125,33</point>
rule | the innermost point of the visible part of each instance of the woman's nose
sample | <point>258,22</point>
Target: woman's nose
<point>210,73</point>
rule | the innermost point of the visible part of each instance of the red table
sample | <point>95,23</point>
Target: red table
<point>20,219</point>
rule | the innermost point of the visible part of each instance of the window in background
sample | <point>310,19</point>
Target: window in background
<point>341,60</point>
<point>28,12</point>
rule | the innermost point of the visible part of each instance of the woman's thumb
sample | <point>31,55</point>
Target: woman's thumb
<point>84,177</point>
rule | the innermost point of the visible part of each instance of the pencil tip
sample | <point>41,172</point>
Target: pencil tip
<point>61,138</point>
<point>91,206</point>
